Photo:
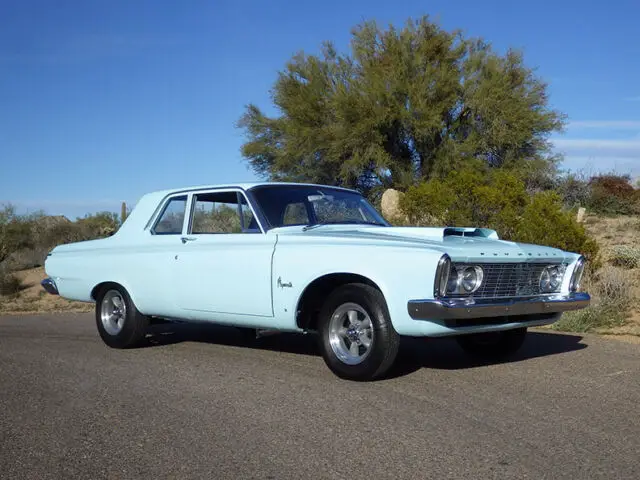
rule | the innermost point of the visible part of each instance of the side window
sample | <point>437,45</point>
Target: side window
<point>222,212</point>
<point>295,214</point>
<point>171,220</point>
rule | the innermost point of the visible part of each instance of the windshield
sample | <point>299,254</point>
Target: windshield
<point>285,205</point>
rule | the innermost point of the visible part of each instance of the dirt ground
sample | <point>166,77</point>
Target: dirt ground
<point>33,299</point>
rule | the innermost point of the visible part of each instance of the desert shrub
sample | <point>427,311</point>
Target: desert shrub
<point>612,293</point>
<point>10,284</point>
<point>614,195</point>
<point>625,256</point>
<point>90,227</point>
<point>221,219</point>
<point>15,232</point>
<point>98,225</point>
<point>63,233</point>
<point>574,189</point>
<point>27,258</point>
<point>497,199</point>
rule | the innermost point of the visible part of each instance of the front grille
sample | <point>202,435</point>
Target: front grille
<point>503,280</point>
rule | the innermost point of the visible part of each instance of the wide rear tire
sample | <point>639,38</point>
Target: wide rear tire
<point>356,337</point>
<point>119,322</point>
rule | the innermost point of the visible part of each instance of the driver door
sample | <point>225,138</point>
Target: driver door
<point>224,259</point>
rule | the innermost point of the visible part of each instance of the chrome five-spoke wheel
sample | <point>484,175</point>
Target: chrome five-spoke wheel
<point>351,333</point>
<point>113,312</point>
<point>356,337</point>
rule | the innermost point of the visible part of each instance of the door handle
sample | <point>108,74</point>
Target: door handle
<point>188,239</point>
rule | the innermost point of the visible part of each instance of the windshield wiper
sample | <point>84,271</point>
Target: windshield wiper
<point>313,225</point>
<point>345,222</point>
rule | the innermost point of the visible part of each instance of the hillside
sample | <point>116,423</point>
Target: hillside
<point>611,233</point>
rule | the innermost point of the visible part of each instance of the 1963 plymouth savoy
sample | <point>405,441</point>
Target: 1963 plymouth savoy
<point>310,258</point>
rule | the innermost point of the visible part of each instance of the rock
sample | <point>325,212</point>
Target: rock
<point>581,213</point>
<point>390,205</point>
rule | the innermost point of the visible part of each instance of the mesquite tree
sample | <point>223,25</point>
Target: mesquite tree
<point>404,105</point>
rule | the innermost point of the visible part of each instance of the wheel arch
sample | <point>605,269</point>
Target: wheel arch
<point>100,286</point>
<point>314,294</point>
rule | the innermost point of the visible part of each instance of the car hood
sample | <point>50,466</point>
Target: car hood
<point>462,244</point>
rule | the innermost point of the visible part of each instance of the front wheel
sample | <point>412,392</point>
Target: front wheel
<point>357,339</point>
<point>119,322</point>
<point>493,345</point>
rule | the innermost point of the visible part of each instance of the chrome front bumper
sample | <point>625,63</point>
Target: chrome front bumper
<point>50,286</point>
<point>455,308</point>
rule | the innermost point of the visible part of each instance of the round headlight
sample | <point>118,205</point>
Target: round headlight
<point>551,279</point>
<point>471,279</point>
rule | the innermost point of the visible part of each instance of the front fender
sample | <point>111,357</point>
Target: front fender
<point>400,273</point>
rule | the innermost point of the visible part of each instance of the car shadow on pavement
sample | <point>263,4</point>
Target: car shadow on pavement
<point>445,354</point>
<point>415,353</point>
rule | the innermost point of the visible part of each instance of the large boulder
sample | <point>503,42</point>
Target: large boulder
<point>390,206</point>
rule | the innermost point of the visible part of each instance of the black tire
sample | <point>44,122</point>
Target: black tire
<point>493,345</point>
<point>384,340</point>
<point>134,328</point>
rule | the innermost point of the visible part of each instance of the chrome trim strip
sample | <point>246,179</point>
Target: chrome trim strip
<point>443,309</point>
<point>50,286</point>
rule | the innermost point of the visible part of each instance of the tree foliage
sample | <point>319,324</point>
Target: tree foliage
<point>493,198</point>
<point>404,105</point>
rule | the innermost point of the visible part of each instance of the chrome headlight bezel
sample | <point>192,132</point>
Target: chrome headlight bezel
<point>441,278</point>
<point>578,272</point>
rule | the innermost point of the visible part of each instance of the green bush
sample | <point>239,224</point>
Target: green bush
<point>625,256</point>
<point>545,222</point>
<point>497,198</point>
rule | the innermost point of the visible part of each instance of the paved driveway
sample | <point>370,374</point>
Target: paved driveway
<point>197,404</point>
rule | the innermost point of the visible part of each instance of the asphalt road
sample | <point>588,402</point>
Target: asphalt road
<point>197,404</point>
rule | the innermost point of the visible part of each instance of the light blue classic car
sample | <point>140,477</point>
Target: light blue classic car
<point>311,258</point>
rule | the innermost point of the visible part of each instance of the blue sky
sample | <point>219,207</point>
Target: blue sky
<point>102,101</point>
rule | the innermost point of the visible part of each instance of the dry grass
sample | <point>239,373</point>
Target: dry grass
<point>625,256</point>
<point>612,290</point>
<point>33,299</point>
<point>615,291</point>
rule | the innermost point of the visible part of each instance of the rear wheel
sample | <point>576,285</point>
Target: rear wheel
<point>493,345</point>
<point>119,322</point>
<point>357,339</point>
